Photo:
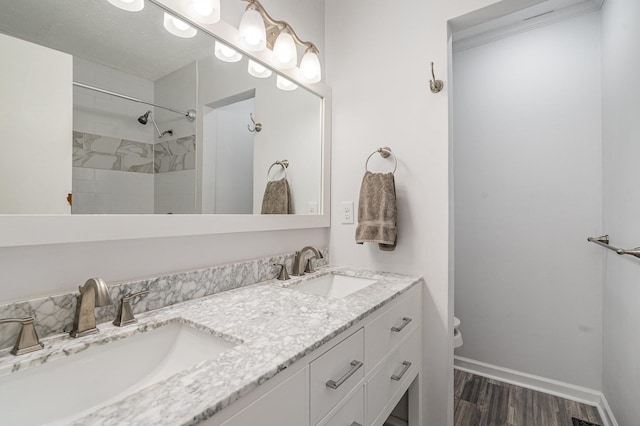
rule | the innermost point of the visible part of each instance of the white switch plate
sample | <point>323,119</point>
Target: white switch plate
<point>312,207</point>
<point>347,212</point>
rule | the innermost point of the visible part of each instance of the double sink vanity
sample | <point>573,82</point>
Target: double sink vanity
<point>333,347</point>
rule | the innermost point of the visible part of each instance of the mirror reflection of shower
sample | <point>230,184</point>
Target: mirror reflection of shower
<point>144,119</point>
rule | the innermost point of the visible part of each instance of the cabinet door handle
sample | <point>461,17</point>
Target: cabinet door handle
<point>405,322</point>
<point>407,365</point>
<point>355,365</point>
<point>355,424</point>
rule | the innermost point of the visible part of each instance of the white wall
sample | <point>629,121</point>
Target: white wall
<point>378,56</point>
<point>621,150</point>
<point>35,173</point>
<point>234,159</point>
<point>528,170</point>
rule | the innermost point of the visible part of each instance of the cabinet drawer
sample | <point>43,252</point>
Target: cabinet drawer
<point>335,374</point>
<point>352,412</point>
<point>386,331</point>
<point>395,374</point>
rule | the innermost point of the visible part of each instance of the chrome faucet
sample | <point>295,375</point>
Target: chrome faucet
<point>298,263</point>
<point>94,293</point>
<point>27,340</point>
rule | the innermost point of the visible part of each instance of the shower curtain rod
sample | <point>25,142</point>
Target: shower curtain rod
<point>191,114</point>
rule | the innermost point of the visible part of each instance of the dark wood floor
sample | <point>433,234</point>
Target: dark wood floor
<point>480,401</point>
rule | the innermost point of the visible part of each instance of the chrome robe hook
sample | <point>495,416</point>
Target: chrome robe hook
<point>256,126</point>
<point>436,85</point>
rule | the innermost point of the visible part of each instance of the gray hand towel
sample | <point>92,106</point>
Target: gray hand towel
<point>377,211</point>
<point>277,198</point>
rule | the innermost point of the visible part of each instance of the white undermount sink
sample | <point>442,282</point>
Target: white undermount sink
<point>333,285</point>
<point>65,389</point>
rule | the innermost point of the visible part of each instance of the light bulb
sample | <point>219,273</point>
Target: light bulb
<point>180,24</point>
<point>252,30</point>
<point>177,27</point>
<point>284,51</point>
<point>258,70</point>
<point>225,53</point>
<point>310,70</point>
<point>205,11</point>
<point>128,5</point>
<point>285,84</point>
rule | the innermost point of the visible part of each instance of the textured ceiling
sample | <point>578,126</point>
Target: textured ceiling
<point>133,42</point>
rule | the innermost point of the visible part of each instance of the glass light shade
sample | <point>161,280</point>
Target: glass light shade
<point>258,70</point>
<point>252,31</point>
<point>225,53</point>
<point>284,51</point>
<point>177,27</point>
<point>128,5</point>
<point>310,67</point>
<point>205,11</point>
<point>284,84</point>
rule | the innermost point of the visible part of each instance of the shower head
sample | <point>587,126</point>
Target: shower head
<point>144,119</point>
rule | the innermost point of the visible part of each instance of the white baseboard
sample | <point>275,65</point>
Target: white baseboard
<point>538,383</point>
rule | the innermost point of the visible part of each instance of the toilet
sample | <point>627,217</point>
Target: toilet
<point>457,334</point>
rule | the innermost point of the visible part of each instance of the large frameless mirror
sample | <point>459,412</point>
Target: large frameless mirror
<point>165,120</point>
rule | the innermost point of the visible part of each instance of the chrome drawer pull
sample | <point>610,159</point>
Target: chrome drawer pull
<point>405,321</point>
<point>407,365</point>
<point>355,424</point>
<point>355,365</point>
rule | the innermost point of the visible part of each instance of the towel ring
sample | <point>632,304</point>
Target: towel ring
<point>384,152</point>
<point>284,164</point>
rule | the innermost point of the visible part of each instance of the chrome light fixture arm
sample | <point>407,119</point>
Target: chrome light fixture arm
<point>281,25</point>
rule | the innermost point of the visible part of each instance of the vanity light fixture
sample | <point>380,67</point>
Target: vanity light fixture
<point>177,27</point>
<point>280,37</point>
<point>285,84</point>
<point>284,51</point>
<point>258,70</point>
<point>310,70</point>
<point>252,30</point>
<point>205,11</point>
<point>225,53</point>
<point>128,5</point>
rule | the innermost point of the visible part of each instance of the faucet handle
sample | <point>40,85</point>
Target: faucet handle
<point>125,313</point>
<point>27,340</point>
<point>309,266</point>
<point>283,275</point>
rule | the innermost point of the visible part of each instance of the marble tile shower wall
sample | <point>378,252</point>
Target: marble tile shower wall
<point>176,155</point>
<point>101,152</point>
<point>54,314</point>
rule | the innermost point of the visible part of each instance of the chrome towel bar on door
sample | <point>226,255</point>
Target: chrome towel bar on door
<point>604,242</point>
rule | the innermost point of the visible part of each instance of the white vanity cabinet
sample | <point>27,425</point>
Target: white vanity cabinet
<point>285,405</point>
<point>355,379</point>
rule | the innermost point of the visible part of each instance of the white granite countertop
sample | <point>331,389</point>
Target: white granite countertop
<point>273,326</point>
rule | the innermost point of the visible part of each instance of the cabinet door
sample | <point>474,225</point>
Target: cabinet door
<point>285,405</point>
